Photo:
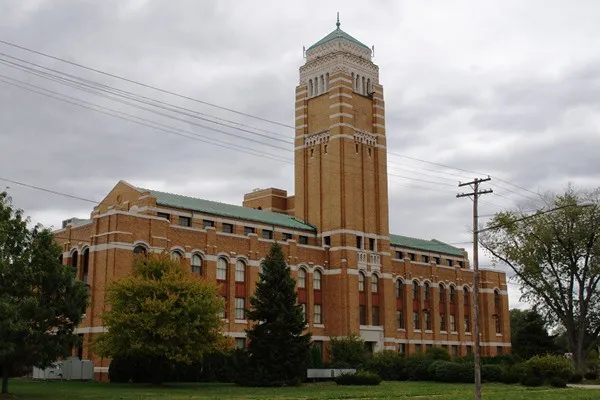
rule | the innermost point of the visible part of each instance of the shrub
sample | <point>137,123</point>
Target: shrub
<point>349,349</point>
<point>555,381</point>
<point>388,364</point>
<point>549,366</point>
<point>443,371</point>
<point>362,378</point>
<point>576,377</point>
<point>315,358</point>
<point>531,380</point>
<point>591,375</point>
<point>437,353</point>
<point>465,372</point>
<point>119,370</point>
<point>510,375</point>
<point>492,373</point>
<point>417,367</point>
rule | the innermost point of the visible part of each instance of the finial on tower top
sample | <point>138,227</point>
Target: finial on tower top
<point>338,20</point>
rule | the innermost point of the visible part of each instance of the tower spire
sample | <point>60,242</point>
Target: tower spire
<point>338,20</point>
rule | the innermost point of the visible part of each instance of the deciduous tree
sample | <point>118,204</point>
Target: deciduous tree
<point>161,313</point>
<point>41,303</point>
<point>556,259</point>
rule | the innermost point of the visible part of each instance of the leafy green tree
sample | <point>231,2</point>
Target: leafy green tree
<point>41,303</point>
<point>163,314</point>
<point>556,259</point>
<point>529,336</point>
<point>347,351</point>
<point>278,349</point>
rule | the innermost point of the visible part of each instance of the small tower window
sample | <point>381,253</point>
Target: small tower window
<point>327,82</point>
<point>325,148</point>
<point>316,85</point>
<point>310,87</point>
<point>369,152</point>
<point>364,83</point>
<point>312,153</point>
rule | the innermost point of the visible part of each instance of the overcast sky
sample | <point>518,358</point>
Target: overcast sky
<point>510,89</point>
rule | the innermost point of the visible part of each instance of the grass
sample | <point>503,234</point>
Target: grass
<point>39,390</point>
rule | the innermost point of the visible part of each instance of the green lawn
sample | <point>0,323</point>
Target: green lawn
<point>34,390</point>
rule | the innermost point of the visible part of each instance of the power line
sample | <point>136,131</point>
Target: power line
<point>142,84</point>
<point>48,190</point>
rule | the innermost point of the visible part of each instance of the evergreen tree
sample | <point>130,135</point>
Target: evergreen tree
<point>278,350</point>
<point>529,335</point>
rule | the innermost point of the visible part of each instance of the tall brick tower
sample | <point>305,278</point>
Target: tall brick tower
<point>340,171</point>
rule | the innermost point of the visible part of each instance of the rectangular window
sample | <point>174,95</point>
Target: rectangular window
<point>411,256</point>
<point>426,259</point>
<point>185,221</point>
<point>208,223</point>
<point>303,306</point>
<point>399,255</point>
<point>375,316</point>
<point>362,315</point>
<point>437,260</point>
<point>317,317</point>
<point>452,323</point>
<point>248,230</point>
<point>428,346</point>
<point>327,240</point>
<point>460,264</point>
<point>400,319</point>
<point>227,228</point>
<point>427,321</point>
<point>371,244</point>
<point>443,322</point>
<point>499,350</point>
<point>454,350</point>
<point>303,239</point>
<point>240,304</point>
<point>267,234</point>
<point>498,325</point>
<point>449,262</point>
<point>359,242</point>
<point>163,215</point>
<point>240,343</point>
<point>286,236</point>
<point>401,348</point>
<point>416,322</point>
<point>469,350</point>
<point>467,324</point>
<point>418,348</point>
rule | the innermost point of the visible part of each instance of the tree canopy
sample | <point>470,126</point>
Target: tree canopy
<point>529,336</point>
<point>278,350</point>
<point>161,313</point>
<point>41,303</point>
<point>555,255</point>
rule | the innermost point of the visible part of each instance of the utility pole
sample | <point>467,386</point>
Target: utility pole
<point>476,351</point>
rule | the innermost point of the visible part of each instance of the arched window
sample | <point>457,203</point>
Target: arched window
<point>467,307</point>
<point>221,269</point>
<point>442,293</point>
<point>240,271</point>
<point>74,259</point>
<point>322,88</point>
<point>399,289</point>
<point>316,85</point>
<point>369,86</point>
<point>498,311</point>
<point>301,278</point>
<point>452,294</point>
<point>196,264</point>
<point>327,81</point>
<point>139,249</point>
<point>374,284</point>
<point>356,82</point>
<point>361,282</point>
<point>86,265</point>
<point>415,290</point>
<point>426,290</point>
<point>60,259</point>
<point>467,296</point>
<point>176,255</point>
<point>310,87</point>
<point>364,83</point>
<point>317,280</point>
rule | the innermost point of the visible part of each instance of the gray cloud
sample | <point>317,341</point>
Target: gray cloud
<point>509,89</point>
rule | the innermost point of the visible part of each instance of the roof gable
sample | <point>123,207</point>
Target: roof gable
<point>338,34</point>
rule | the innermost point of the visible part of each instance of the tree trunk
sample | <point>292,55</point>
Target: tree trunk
<point>4,379</point>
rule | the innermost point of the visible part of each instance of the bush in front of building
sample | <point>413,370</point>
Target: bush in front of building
<point>315,357</point>
<point>347,351</point>
<point>512,373</point>
<point>492,373</point>
<point>443,371</point>
<point>417,367</point>
<point>388,364</point>
<point>550,366</point>
<point>591,375</point>
<point>557,382</point>
<point>361,378</point>
<point>576,377</point>
<point>438,353</point>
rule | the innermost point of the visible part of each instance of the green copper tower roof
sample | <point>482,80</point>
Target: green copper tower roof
<point>338,34</point>
<point>434,246</point>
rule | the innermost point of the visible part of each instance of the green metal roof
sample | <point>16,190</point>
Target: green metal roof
<point>227,210</point>
<point>338,34</point>
<point>432,245</point>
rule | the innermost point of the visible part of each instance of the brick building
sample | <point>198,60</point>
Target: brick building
<point>398,292</point>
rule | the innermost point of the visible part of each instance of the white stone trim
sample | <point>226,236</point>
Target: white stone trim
<point>92,329</point>
<point>335,105</point>
<point>353,232</point>
<point>379,107</point>
<point>301,126</point>
<point>241,321</point>
<point>303,116</point>
<point>318,326</point>
<point>379,116</point>
<point>336,115</point>
<point>101,369</point>
<point>336,271</point>
<point>333,96</point>
<point>111,233</point>
<point>301,108</point>
<point>379,126</point>
<point>445,342</point>
<point>339,79</point>
<point>320,338</point>
<point>237,335</point>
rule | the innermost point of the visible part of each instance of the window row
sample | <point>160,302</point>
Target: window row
<point>317,277</point>
<point>361,85</point>
<point>318,85</point>
<point>427,259</point>
<point>366,245</point>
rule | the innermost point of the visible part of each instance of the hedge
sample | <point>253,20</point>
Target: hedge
<point>361,378</point>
